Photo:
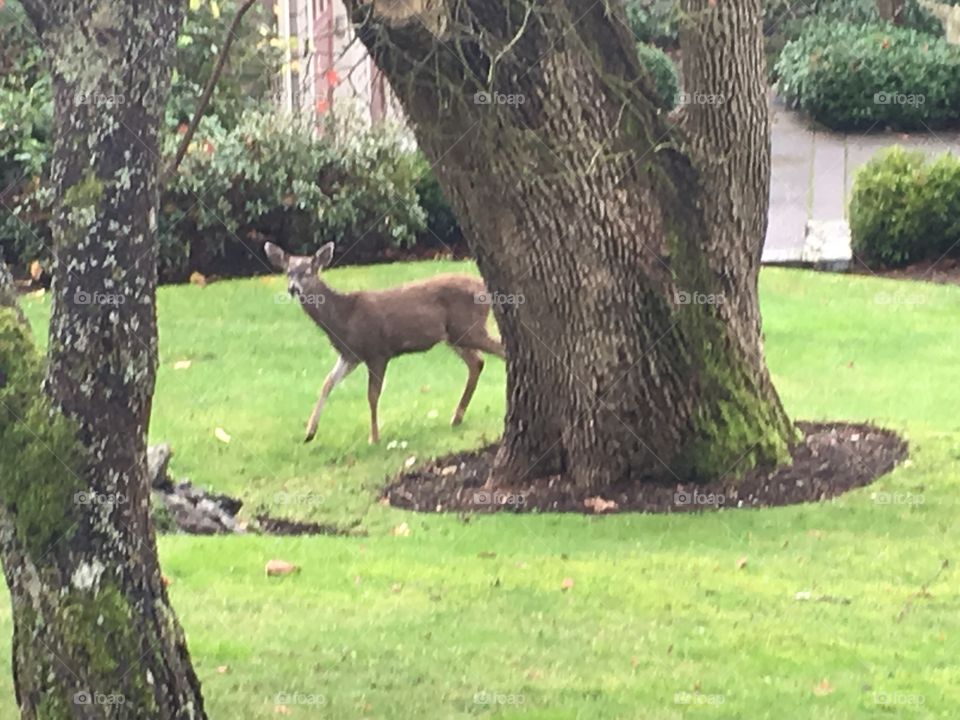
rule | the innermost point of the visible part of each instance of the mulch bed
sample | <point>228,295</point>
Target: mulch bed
<point>831,459</point>
<point>944,272</point>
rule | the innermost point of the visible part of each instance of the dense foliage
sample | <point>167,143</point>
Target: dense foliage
<point>654,21</point>
<point>249,175</point>
<point>663,72</point>
<point>905,208</point>
<point>851,76</point>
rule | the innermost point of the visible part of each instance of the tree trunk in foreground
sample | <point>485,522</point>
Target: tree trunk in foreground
<point>94,633</point>
<point>633,237</point>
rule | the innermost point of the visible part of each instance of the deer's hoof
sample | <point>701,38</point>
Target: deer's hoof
<point>309,437</point>
<point>456,420</point>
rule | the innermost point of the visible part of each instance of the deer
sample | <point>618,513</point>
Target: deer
<point>374,326</point>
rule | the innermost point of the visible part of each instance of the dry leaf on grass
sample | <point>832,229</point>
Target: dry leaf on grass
<point>824,688</point>
<point>222,435</point>
<point>742,563</point>
<point>409,462</point>
<point>198,279</point>
<point>401,530</point>
<point>222,669</point>
<point>599,505</point>
<point>566,584</point>
<point>281,567</point>
<point>448,470</point>
<point>182,364</point>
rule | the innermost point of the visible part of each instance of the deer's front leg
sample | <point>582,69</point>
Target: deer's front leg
<point>375,372</point>
<point>339,372</point>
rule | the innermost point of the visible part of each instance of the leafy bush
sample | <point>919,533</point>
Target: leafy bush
<point>851,76</point>
<point>904,208</point>
<point>249,174</point>
<point>663,72</point>
<point>271,177</point>
<point>442,229</point>
<point>654,21</point>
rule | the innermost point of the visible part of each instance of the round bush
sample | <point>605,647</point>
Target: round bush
<point>905,209</point>
<point>661,69</point>
<point>850,76</point>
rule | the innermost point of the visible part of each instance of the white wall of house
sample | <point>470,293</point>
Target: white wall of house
<point>323,40</point>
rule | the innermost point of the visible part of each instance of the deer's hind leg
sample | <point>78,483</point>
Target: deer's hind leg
<point>339,372</point>
<point>477,338</point>
<point>376,369</point>
<point>474,362</point>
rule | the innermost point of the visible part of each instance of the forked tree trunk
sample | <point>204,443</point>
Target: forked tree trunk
<point>94,633</point>
<point>575,193</point>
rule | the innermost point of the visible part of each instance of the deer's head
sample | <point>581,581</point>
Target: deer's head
<point>300,269</point>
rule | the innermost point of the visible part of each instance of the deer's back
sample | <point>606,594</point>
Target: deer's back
<point>418,315</point>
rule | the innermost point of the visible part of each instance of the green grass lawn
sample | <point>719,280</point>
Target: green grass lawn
<point>664,620</point>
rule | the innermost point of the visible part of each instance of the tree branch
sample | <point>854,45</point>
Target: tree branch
<point>168,173</point>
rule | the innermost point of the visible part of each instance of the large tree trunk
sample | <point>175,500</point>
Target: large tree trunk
<point>607,219</point>
<point>94,633</point>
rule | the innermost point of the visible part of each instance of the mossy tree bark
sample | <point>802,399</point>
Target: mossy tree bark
<point>94,633</point>
<point>634,237</point>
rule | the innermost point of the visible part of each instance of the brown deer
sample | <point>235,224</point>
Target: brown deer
<point>373,327</point>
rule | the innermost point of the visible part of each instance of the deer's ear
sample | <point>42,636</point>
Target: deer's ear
<point>276,256</point>
<point>324,256</point>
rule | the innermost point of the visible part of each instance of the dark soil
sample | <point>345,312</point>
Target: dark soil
<point>831,459</point>
<point>944,272</point>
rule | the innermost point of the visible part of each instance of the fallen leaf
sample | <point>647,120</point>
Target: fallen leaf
<point>742,563</point>
<point>824,688</point>
<point>165,580</point>
<point>39,293</point>
<point>409,462</point>
<point>222,669</point>
<point>182,364</point>
<point>281,710</point>
<point>566,584</point>
<point>486,554</point>
<point>401,530</point>
<point>803,595</point>
<point>396,587</point>
<point>198,279</point>
<point>448,470</point>
<point>281,567</point>
<point>424,388</point>
<point>599,505</point>
<point>222,435</point>
<point>432,414</point>
<point>36,270</point>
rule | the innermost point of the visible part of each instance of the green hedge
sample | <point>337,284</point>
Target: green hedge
<point>368,190</point>
<point>850,76</point>
<point>905,208</point>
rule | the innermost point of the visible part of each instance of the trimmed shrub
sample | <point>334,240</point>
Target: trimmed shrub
<point>661,69</point>
<point>850,76</point>
<point>905,208</point>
